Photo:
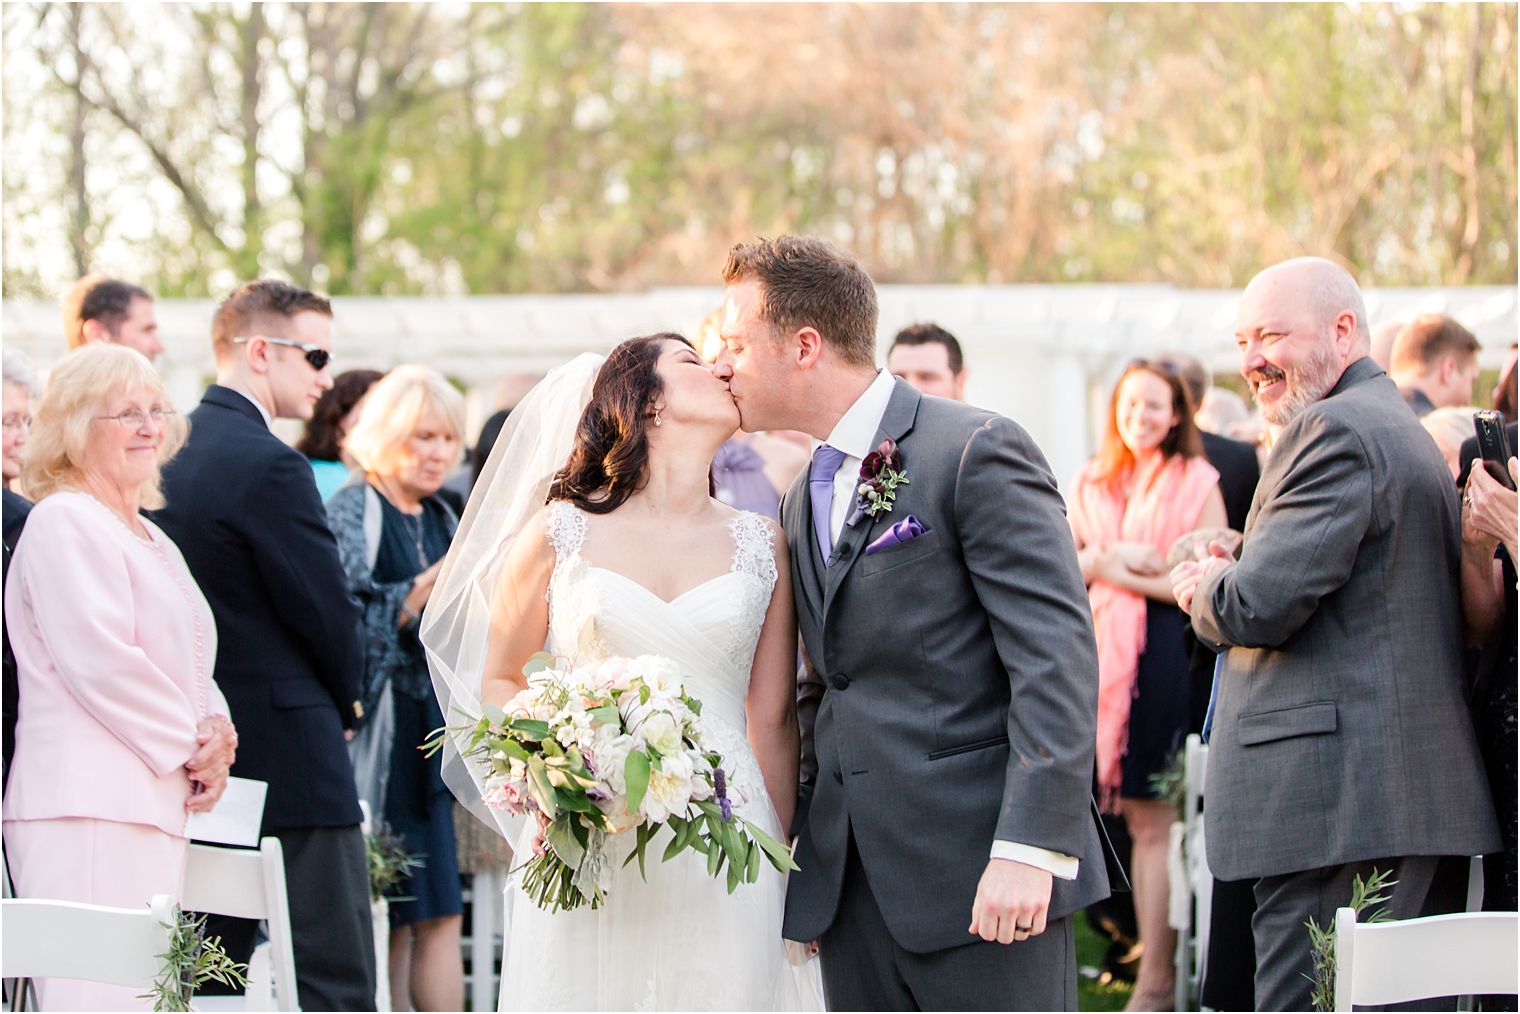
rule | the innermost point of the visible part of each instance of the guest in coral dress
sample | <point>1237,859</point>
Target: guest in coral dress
<point>1149,484</point>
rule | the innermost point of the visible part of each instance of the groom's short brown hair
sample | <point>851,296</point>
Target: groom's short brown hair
<point>810,283</point>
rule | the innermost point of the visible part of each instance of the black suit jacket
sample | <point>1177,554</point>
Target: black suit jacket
<point>243,509</point>
<point>1239,471</point>
<point>16,508</point>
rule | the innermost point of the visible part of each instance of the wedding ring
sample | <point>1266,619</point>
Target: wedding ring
<point>1023,929</point>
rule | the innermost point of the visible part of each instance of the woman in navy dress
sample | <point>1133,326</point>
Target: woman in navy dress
<point>393,532</point>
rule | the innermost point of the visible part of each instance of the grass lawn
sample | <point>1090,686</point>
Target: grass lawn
<point>1091,995</point>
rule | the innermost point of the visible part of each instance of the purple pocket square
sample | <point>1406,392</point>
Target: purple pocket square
<point>906,530</point>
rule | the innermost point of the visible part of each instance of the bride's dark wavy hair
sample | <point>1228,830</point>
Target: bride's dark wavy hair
<point>610,461</point>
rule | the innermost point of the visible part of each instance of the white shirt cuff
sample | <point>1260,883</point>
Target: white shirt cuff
<point>1057,864</point>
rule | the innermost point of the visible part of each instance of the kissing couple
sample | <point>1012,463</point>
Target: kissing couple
<point>932,761</point>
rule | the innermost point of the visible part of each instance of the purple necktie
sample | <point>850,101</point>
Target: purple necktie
<point>826,462</point>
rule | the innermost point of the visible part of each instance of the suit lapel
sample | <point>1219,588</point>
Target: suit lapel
<point>896,423</point>
<point>796,512</point>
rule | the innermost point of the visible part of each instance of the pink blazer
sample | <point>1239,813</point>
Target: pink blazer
<point>114,652</point>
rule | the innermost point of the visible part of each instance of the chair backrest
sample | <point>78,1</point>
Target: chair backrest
<point>1411,959</point>
<point>1195,759</point>
<point>1197,883</point>
<point>70,940</point>
<point>248,885</point>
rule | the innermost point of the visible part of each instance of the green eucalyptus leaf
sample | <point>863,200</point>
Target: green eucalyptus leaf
<point>733,846</point>
<point>574,801</point>
<point>543,791</point>
<point>512,750</point>
<point>714,859</point>
<point>539,662</point>
<point>672,850</point>
<point>636,774</point>
<point>563,841</point>
<point>779,855</point>
<point>533,728</point>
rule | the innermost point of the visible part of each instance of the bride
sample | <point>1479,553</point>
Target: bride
<point>631,555</point>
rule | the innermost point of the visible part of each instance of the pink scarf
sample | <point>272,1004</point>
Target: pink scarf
<point>1158,516</point>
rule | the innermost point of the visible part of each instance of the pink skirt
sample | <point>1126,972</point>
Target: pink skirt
<point>98,862</point>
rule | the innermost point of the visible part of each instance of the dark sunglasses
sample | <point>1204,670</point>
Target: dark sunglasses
<point>315,355</point>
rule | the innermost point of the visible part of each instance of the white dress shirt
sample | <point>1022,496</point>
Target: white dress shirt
<point>855,435</point>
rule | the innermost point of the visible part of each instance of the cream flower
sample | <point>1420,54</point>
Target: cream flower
<point>670,788</point>
<point>660,733</point>
<point>661,674</point>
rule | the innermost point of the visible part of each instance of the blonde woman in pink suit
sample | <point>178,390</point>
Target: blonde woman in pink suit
<point>122,732</point>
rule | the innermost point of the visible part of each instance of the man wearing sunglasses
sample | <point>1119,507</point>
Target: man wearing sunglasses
<point>244,511</point>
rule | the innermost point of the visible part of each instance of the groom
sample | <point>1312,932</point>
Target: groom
<point>945,827</point>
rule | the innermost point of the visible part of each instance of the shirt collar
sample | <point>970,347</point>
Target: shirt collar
<point>268,419</point>
<point>855,433</point>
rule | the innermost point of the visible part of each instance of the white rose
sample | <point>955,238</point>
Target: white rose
<point>659,673</point>
<point>660,733</point>
<point>670,788</point>
<point>611,753</point>
<point>613,673</point>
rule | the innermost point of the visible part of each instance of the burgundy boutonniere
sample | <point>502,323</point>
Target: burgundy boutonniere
<point>880,474</point>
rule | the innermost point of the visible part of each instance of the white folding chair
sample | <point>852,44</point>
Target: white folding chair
<point>46,939</point>
<point>1192,924</point>
<point>1413,959</point>
<point>380,925</point>
<point>487,910</point>
<point>247,885</point>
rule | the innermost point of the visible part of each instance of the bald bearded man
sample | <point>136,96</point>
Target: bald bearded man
<point>1341,742</point>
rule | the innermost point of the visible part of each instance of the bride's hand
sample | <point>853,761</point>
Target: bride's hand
<point>800,954</point>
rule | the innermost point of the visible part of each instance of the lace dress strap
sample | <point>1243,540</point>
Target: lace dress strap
<point>754,551</point>
<point>565,527</point>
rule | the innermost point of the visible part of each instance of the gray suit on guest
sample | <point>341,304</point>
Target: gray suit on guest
<point>1341,736</point>
<point>951,701</point>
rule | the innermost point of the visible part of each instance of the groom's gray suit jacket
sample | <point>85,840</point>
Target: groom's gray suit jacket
<point>1341,731</point>
<point>951,696</point>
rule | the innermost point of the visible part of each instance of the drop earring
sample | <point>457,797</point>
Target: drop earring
<point>657,417</point>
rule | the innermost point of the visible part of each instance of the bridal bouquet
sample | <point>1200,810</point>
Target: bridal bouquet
<point>592,752</point>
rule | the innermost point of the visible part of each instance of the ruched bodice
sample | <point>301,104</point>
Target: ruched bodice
<point>709,631</point>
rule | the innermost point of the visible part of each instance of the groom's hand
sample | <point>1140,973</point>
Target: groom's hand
<point>1012,901</point>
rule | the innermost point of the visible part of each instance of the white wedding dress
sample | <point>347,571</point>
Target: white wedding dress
<point>678,940</point>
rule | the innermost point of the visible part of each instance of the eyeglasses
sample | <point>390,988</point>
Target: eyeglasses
<point>134,419</point>
<point>17,422</point>
<point>315,355</point>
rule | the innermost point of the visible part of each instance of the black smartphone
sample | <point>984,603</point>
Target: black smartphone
<point>1493,445</point>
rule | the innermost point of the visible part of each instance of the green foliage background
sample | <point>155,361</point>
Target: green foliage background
<point>440,149</point>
